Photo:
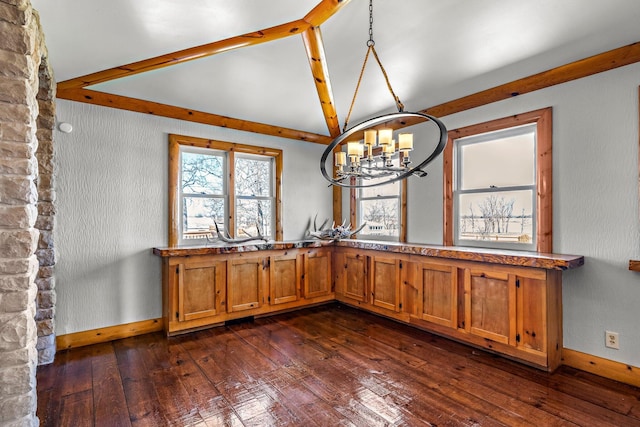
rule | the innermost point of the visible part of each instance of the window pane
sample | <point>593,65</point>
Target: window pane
<point>501,162</point>
<point>381,217</point>
<point>253,177</point>
<point>202,173</point>
<point>392,189</point>
<point>251,211</point>
<point>198,215</point>
<point>498,216</point>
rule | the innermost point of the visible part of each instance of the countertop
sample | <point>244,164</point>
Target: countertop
<point>492,256</point>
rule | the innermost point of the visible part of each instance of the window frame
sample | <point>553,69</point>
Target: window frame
<point>174,191</point>
<point>543,226</point>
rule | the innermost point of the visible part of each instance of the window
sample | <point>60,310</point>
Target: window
<point>383,208</point>
<point>254,194</point>
<point>498,184</point>
<point>233,186</point>
<point>203,191</point>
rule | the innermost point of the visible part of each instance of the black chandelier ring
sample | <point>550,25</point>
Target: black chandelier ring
<point>417,170</point>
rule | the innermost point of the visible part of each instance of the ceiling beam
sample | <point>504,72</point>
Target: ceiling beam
<point>164,110</point>
<point>314,46</point>
<point>323,11</point>
<point>190,54</point>
<point>606,61</point>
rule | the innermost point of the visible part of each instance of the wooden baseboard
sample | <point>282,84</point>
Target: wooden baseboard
<point>110,333</point>
<point>603,367</point>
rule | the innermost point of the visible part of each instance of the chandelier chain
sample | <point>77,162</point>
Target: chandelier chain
<point>371,48</point>
<point>371,42</point>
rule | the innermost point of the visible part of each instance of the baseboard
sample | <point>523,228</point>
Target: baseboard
<point>110,333</point>
<point>603,367</point>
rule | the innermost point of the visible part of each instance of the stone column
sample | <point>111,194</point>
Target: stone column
<point>46,253</point>
<point>21,50</point>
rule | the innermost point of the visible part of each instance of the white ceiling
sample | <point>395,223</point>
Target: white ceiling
<point>433,50</point>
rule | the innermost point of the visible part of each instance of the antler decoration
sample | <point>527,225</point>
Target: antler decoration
<point>342,231</point>
<point>228,239</point>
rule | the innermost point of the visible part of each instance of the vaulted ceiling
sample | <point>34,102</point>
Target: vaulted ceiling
<point>290,67</point>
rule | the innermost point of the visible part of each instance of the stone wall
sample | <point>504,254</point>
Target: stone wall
<point>23,94</point>
<point>46,216</point>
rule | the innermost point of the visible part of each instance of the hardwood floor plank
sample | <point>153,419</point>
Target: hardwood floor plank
<point>76,409</point>
<point>109,403</point>
<point>324,366</point>
<point>142,400</point>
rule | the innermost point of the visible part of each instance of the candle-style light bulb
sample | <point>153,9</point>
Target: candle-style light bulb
<point>352,148</point>
<point>384,136</point>
<point>370,137</point>
<point>405,142</point>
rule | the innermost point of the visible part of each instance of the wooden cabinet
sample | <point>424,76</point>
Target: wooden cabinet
<point>513,310</point>
<point>284,277</point>
<point>201,289</point>
<point>352,275</point>
<point>437,293</point>
<point>490,305</point>
<point>519,308</point>
<point>317,273</point>
<point>246,278</point>
<point>506,303</point>
<point>385,282</point>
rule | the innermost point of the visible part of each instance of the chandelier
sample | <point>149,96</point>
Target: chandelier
<point>373,156</point>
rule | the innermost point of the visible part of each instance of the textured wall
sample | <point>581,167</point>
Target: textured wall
<point>595,202</point>
<point>112,209</point>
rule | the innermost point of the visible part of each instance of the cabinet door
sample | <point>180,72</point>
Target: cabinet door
<point>317,273</point>
<point>438,289</point>
<point>355,273</point>
<point>490,305</point>
<point>201,288</point>
<point>284,278</point>
<point>532,310</point>
<point>385,282</point>
<point>245,280</point>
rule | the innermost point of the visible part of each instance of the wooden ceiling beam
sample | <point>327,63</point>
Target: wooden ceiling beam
<point>164,110</point>
<point>606,61</point>
<point>249,39</point>
<point>323,11</point>
<point>314,46</point>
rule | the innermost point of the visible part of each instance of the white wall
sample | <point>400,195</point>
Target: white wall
<point>112,205</point>
<point>595,202</point>
<point>112,173</point>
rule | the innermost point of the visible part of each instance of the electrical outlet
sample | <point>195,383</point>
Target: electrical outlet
<point>611,340</point>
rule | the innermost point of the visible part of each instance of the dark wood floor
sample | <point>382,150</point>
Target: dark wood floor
<point>326,366</point>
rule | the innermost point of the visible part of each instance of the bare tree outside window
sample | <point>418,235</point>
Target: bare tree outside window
<point>254,195</point>
<point>202,184</point>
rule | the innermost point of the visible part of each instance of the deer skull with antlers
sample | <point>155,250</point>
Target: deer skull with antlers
<point>342,231</point>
